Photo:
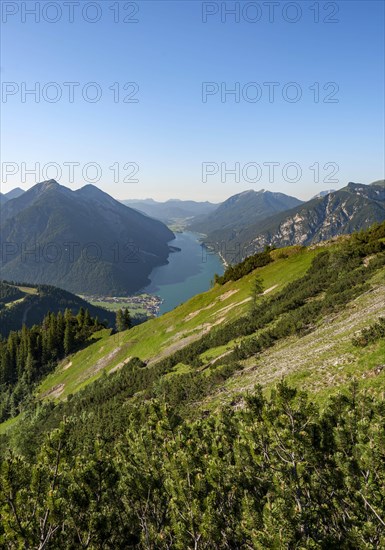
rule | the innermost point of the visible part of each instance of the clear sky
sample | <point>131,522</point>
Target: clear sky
<point>175,140</point>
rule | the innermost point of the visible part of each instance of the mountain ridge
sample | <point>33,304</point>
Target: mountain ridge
<point>84,241</point>
<point>354,207</point>
<point>240,211</point>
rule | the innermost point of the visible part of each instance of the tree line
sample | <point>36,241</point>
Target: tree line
<point>236,272</point>
<point>131,461</point>
<point>29,354</point>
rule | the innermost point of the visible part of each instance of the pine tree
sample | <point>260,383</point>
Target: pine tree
<point>119,320</point>
<point>87,319</point>
<point>60,328</point>
<point>127,319</point>
<point>67,314</point>
<point>7,376</point>
<point>29,368</point>
<point>256,290</point>
<point>80,317</point>
<point>123,320</point>
<point>68,338</point>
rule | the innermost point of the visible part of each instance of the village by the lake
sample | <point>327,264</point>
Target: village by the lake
<point>139,305</point>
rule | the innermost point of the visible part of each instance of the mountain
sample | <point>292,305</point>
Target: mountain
<point>324,193</point>
<point>172,209</point>
<point>355,207</point>
<point>29,304</point>
<point>241,211</point>
<point>379,183</point>
<point>231,428</point>
<point>208,326</point>
<point>83,241</point>
<point>13,194</point>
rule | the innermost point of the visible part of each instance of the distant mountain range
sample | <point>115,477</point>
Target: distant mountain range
<point>171,210</point>
<point>89,243</point>
<point>83,241</point>
<point>356,206</point>
<point>241,211</point>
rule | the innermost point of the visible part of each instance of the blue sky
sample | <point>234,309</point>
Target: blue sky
<point>171,140</point>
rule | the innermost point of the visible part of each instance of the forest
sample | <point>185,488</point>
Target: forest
<point>29,354</point>
<point>131,461</point>
<point>275,473</point>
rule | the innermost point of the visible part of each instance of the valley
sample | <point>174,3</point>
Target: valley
<point>192,275</point>
<point>165,335</point>
<point>298,339</point>
<point>190,270</point>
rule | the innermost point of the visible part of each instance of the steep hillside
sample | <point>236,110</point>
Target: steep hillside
<point>13,194</point>
<point>162,336</point>
<point>29,305</point>
<point>83,241</point>
<point>215,311</point>
<point>355,207</point>
<point>170,408</point>
<point>378,183</point>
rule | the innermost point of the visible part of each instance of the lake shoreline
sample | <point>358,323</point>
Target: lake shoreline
<point>189,271</point>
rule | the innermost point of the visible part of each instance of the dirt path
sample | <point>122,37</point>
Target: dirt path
<point>54,392</point>
<point>269,290</point>
<point>101,363</point>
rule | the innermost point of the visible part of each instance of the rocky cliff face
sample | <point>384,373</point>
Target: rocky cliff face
<point>240,212</point>
<point>355,207</point>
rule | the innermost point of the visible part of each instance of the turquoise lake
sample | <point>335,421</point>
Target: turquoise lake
<point>187,273</point>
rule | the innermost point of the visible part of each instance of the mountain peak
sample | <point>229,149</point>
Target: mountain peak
<point>14,193</point>
<point>91,192</point>
<point>90,189</point>
<point>50,183</point>
<point>322,194</point>
<point>47,185</point>
<point>247,192</point>
<point>50,213</point>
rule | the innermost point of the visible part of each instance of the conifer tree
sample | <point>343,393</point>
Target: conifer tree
<point>127,319</point>
<point>256,290</point>
<point>87,318</point>
<point>119,320</point>
<point>80,317</point>
<point>68,338</point>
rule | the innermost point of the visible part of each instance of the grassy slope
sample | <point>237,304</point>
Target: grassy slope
<point>323,361</point>
<point>161,336</point>
<point>26,290</point>
<point>320,361</point>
